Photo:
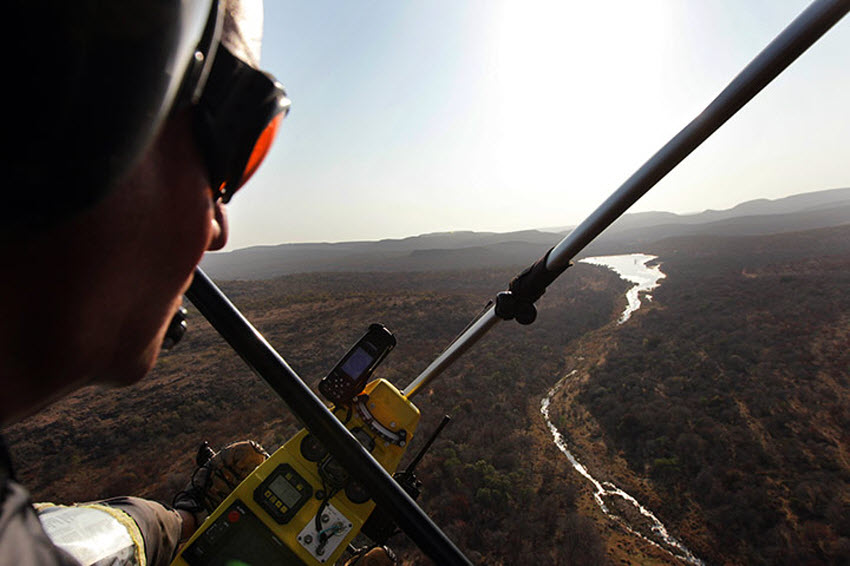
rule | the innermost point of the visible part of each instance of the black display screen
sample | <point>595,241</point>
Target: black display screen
<point>357,363</point>
<point>238,537</point>
<point>251,547</point>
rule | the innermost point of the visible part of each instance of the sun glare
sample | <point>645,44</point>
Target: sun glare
<point>558,64</point>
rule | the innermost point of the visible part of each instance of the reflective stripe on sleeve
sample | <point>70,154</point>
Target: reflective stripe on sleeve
<point>94,534</point>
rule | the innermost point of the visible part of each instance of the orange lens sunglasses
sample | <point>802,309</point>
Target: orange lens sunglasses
<point>236,120</point>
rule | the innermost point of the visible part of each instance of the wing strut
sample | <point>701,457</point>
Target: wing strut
<point>528,286</point>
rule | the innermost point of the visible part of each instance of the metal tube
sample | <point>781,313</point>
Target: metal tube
<point>800,34</point>
<point>272,368</point>
<point>455,350</point>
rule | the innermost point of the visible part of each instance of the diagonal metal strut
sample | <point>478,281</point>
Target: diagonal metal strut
<point>800,34</point>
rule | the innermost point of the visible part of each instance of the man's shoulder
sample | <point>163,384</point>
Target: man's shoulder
<point>23,541</point>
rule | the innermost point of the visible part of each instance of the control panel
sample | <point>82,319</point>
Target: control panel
<point>301,506</point>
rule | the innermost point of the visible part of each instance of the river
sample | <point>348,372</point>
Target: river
<point>613,501</point>
<point>633,268</point>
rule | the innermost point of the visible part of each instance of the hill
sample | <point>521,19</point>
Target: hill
<point>473,250</point>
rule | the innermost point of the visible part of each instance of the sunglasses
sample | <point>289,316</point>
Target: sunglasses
<point>236,120</point>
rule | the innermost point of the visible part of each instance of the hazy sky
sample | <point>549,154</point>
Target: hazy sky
<point>434,115</point>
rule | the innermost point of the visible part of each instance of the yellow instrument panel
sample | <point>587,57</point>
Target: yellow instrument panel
<point>300,506</point>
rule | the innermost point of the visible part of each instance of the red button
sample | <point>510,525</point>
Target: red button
<point>233,516</point>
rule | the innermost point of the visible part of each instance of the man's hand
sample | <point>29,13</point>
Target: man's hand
<point>226,469</point>
<point>217,475</point>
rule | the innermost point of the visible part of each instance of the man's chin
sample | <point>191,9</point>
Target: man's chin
<point>131,370</point>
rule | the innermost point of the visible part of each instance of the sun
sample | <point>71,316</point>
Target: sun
<point>582,88</point>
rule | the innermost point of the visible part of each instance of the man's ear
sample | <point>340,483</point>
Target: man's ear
<point>220,228</point>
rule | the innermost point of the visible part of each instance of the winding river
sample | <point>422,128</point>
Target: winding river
<point>613,501</point>
<point>635,269</point>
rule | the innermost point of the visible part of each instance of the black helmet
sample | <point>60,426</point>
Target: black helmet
<point>90,83</point>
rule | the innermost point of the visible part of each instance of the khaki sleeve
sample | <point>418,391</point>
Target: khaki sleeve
<point>160,526</point>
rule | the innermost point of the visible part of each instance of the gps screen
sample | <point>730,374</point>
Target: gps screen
<point>357,363</point>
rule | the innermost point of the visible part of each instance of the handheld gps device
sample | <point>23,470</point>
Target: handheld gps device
<point>349,376</point>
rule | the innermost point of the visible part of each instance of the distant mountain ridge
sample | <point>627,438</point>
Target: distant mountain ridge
<point>467,249</point>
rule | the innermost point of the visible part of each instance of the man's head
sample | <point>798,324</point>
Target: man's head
<point>95,81</point>
<point>105,225</point>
